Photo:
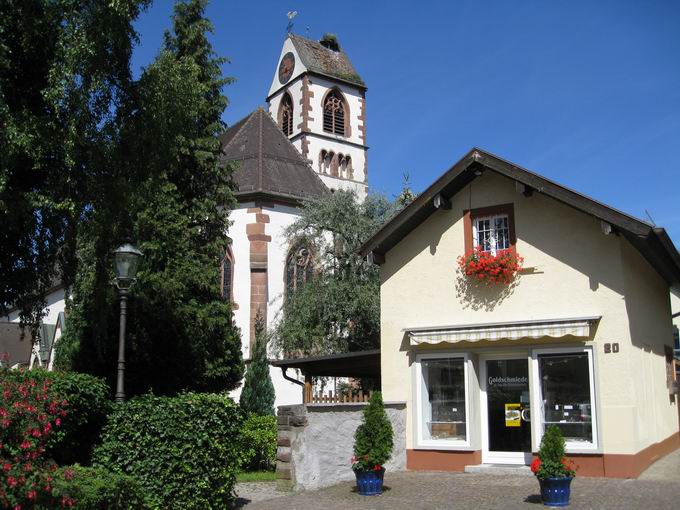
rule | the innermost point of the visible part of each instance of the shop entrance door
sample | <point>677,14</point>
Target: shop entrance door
<point>506,415</point>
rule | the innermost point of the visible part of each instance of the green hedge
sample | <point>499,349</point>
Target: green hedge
<point>88,405</point>
<point>100,489</point>
<point>258,443</point>
<point>183,450</point>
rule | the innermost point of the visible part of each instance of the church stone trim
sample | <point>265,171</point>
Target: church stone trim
<point>362,118</point>
<point>259,260</point>
<point>306,104</point>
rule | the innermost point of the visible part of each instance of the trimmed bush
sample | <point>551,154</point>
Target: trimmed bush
<point>373,439</point>
<point>183,450</point>
<point>87,406</point>
<point>258,443</point>
<point>99,489</point>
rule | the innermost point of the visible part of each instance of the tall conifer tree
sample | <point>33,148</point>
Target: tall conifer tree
<point>180,330</point>
<point>258,393</point>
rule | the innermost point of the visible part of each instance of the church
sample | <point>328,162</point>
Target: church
<point>310,141</point>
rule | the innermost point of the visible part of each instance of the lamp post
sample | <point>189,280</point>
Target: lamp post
<point>125,263</point>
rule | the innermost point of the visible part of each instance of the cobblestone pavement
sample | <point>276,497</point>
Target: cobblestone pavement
<point>657,488</point>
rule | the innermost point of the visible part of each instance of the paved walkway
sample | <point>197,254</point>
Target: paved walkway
<point>657,488</point>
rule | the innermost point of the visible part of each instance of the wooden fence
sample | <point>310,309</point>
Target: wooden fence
<point>330,398</point>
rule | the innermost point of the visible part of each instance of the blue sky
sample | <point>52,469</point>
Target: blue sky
<point>585,93</point>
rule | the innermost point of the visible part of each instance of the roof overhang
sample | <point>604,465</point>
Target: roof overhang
<point>351,364</point>
<point>493,331</point>
<point>652,242</point>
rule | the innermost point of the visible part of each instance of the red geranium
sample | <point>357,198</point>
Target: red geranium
<point>491,269</point>
<point>535,465</point>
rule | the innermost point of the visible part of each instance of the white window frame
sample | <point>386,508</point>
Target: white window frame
<point>439,444</point>
<point>537,398</point>
<point>475,239</point>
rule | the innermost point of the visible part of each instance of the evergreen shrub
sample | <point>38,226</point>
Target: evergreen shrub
<point>183,450</point>
<point>551,461</point>
<point>99,489</point>
<point>258,396</point>
<point>258,443</point>
<point>374,438</point>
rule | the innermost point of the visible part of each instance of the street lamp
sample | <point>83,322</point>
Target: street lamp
<point>125,262</point>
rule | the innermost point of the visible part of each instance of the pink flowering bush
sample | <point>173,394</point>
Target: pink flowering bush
<point>30,413</point>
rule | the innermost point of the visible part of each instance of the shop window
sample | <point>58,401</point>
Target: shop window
<point>490,228</point>
<point>566,396</point>
<point>442,401</point>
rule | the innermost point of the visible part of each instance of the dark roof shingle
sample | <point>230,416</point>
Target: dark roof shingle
<point>268,164</point>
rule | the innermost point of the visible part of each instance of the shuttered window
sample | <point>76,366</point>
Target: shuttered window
<point>286,115</point>
<point>334,114</point>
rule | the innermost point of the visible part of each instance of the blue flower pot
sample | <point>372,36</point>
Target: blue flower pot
<point>370,483</point>
<point>555,491</point>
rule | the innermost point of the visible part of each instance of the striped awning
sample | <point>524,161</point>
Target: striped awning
<point>554,328</point>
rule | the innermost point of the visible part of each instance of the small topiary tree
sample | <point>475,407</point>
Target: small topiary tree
<point>373,439</point>
<point>551,461</point>
<point>258,393</point>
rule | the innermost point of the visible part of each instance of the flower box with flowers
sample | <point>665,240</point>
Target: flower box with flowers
<point>489,268</point>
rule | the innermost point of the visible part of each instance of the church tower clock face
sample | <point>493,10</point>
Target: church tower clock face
<point>286,67</point>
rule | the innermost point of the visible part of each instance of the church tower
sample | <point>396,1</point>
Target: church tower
<point>319,102</point>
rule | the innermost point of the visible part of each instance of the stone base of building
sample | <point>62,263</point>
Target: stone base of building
<point>609,465</point>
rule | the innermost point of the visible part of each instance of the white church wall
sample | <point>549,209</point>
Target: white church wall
<point>240,247</point>
<point>299,67</point>
<point>357,183</point>
<point>320,86</point>
<point>280,217</point>
<point>55,303</point>
<point>294,88</point>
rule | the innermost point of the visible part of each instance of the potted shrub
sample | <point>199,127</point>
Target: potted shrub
<point>373,442</point>
<point>553,470</point>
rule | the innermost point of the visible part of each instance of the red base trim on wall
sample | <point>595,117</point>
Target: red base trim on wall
<point>438,460</point>
<point>610,465</point>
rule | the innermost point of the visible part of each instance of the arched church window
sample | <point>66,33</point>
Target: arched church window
<point>286,114</point>
<point>334,113</point>
<point>299,268</point>
<point>228,275</point>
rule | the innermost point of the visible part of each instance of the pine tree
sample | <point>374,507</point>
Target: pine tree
<point>258,394</point>
<point>180,332</point>
<point>374,438</point>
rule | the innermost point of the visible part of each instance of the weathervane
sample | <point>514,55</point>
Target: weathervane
<point>291,15</point>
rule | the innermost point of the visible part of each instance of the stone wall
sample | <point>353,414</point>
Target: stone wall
<point>315,443</point>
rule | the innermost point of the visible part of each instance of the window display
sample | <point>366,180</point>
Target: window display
<point>566,394</point>
<point>443,399</point>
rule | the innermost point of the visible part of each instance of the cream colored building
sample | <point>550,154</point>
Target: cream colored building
<point>580,338</point>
